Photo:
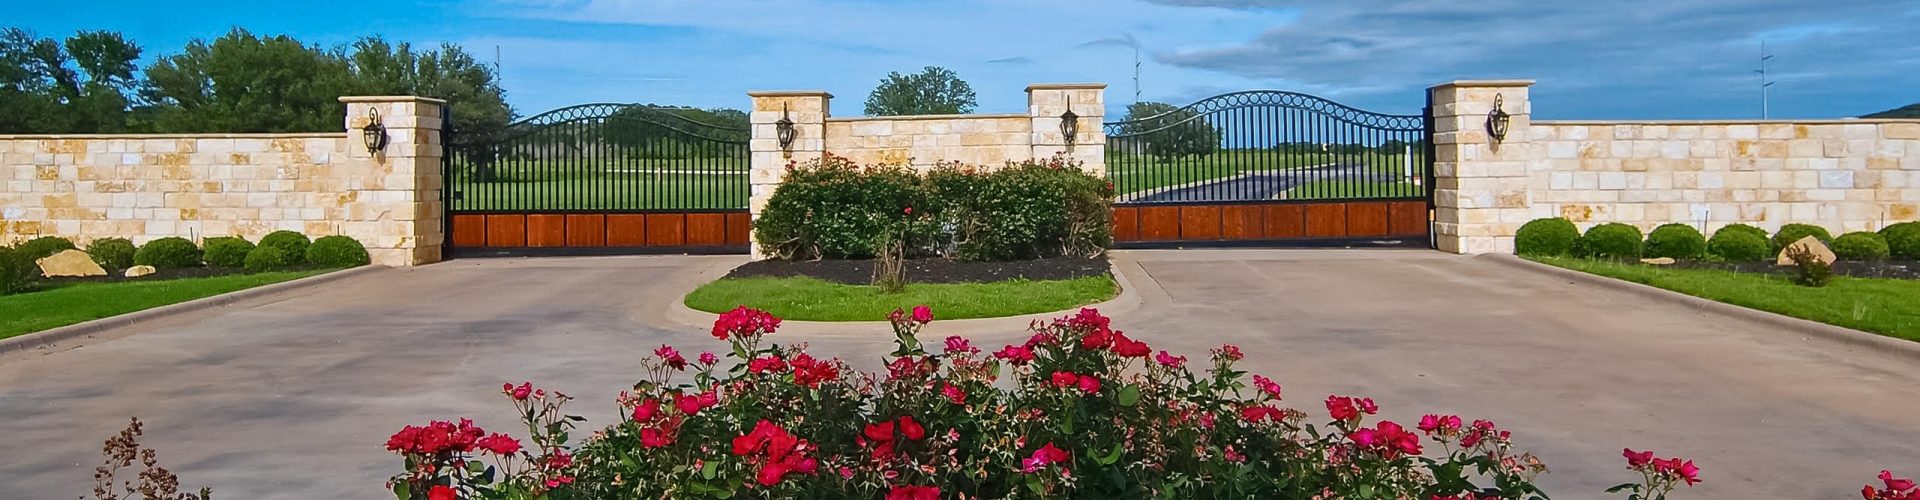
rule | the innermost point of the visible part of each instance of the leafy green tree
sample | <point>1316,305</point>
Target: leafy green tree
<point>449,73</point>
<point>1168,133</point>
<point>932,91</point>
<point>41,91</point>
<point>246,83</point>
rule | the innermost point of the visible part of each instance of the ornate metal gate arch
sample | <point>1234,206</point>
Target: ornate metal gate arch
<point>1269,166</point>
<point>598,178</point>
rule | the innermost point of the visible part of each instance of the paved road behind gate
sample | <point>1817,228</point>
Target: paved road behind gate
<point>291,396</point>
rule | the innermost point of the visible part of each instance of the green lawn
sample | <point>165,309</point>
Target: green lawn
<point>697,183</point>
<point>64,305</point>
<point>1884,306</point>
<point>1338,188</point>
<point>808,299</point>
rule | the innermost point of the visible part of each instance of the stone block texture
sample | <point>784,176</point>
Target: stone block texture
<point>145,187</point>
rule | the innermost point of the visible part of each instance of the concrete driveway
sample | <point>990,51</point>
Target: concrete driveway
<point>291,396</point>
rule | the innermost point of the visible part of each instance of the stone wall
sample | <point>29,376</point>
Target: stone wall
<point>1845,175</point>
<point>144,187</point>
<point>922,141</point>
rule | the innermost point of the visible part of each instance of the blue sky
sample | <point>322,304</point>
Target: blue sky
<point>1593,59</point>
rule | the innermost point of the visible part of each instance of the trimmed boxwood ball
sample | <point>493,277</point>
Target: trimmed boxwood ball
<point>1676,241</point>
<point>1860,245</point>
<point>292,245</point>
<point>337,251</point>
<point>43,247</point>
<point>228,251</point>
<point>1610,241</point>
<point>1794,232</point>
<point>112,253</point>
<point>1903,240</point>
<point>1740,243</point>
<point>265,258</point>
<point>15,271</point>
<point>168,253</point>
<point>1546,237</point>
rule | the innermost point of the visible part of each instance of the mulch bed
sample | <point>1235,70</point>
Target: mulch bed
<point>1891,269</point>
<point>860,272</point>
<point>118,275</point>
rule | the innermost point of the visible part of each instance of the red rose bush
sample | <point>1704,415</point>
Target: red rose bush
<point>1078,410</point>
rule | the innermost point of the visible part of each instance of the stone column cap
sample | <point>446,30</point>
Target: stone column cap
<point>789,93</point>
<point>1065,86</point>
<point>1485,83</point>
<point>390,98</point>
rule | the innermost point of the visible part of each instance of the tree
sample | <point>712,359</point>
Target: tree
<point>449,73</point>
<point>1908,111</point>
<point>42,92</point>
<point>1169,133</point>
<point>932,91</point>
<point>245,83</point>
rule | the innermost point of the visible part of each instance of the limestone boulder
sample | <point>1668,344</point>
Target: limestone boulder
<point>70,263</point>
<point>138,271</point>
<point>1810,244</point>
<point>1660,261</point>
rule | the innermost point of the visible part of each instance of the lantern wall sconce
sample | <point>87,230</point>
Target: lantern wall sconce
<point>1498,120</point>
<point>375,133</point>
<point>784,130</point>
<point>1069,125</point>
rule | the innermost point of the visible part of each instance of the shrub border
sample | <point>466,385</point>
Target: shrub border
<point>53,337</point>
<point>1125,271</point>
<point>1895,346</point>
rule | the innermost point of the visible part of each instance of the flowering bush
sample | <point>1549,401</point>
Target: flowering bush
<point>1078,410</point>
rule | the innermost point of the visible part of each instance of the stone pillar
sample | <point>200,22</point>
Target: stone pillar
<point>808,109</point>
<point>1480,184</point>
<point>1047,101</point>
<point>392,197</point>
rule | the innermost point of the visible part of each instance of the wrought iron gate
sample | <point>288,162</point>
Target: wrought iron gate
<point>1269,166</point>
<point>598,178</point>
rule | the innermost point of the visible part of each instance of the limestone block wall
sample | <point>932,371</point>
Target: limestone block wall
<point>145,187</point>
<point>1846,175</point>
<point>922,141</point>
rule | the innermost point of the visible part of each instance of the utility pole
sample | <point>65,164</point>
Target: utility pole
<point>1136,73</point>
<point>1765,84</point>
<point>496,63</point>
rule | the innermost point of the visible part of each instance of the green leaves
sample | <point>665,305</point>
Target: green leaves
<point>1129,395</point>
<point>932,91</point>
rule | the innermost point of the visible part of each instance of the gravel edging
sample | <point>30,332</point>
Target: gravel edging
<point>53,336</point>
<point>1851,336</point>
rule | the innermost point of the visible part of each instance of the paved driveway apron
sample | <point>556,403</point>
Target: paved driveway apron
<point>291,396</point>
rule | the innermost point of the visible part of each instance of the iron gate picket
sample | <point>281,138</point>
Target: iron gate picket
<point>1268,167</point>
<point>598,178</point>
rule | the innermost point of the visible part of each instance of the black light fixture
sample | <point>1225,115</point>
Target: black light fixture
<point>784,130</point>
<point>1498,119</point>
<point>1069,124</point>
<point>375,133</point>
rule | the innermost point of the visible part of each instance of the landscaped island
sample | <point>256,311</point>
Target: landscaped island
<point>849,242</point>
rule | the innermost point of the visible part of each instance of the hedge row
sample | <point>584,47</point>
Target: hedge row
<point>1733,243</point>
<point>278,250</point>
<point>835,209</point>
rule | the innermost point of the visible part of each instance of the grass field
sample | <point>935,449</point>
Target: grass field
<point>1883,306</point>
<point>1136,173</point>
<point>594,184</point>
<point>64,305</point>
<point>1350,189</point>
<point>808,299</point>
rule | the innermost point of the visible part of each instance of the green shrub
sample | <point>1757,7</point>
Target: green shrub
<point>112,253</point>
<point>292,245</point>
<point>266,258</point>
<point>228,251</point>
<point>836,209</point>
<point>1676,241</point>
<point>16,273</point>
<point>1809,269</point>
<point>1740,243</point>
<point>1027,210</point>
<point>1610,241</point>
<point>1546,237</point>
<point>43,247</point>
<point>1903,239</point>
<point>168,253</point>
<point>1794,232</point>
<point>338,251</point>
<point>1860,245</point>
